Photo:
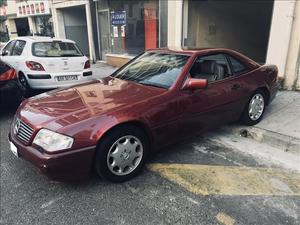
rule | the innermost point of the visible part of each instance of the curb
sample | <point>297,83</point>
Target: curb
<point>277,140</point>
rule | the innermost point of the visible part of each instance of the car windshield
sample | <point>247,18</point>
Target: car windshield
<point>153,69</point>
<point>55,49</point>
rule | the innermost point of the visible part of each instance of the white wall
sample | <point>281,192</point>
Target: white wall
<point>292,63</point>
<point>174,23</point>
<point>280,34</point>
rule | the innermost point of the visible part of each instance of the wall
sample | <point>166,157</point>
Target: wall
<point>280,34</point>
<point>292,62</point>
<point>298,73</point>
<point>175,23</point>
<point>243,26</point>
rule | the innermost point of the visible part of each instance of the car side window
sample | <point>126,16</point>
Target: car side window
<point>211,67</point>
<point>237,66</point>
<point>8,48</point>
<point>18,49</point>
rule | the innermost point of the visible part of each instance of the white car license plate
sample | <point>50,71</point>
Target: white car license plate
<point>14,149</point>
<point>67,78</point>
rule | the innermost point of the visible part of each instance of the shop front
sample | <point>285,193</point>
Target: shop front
<point>127,28</point>
<point>33,18</point>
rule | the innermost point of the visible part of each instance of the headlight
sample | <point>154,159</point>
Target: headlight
<point>52,141</point>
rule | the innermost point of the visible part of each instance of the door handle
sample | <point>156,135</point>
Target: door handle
<point>235,87</point>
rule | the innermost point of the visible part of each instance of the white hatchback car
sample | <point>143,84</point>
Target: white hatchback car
<point>46,63</point>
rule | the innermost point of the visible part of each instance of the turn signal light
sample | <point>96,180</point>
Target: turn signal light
<point>87,65</point>
<point>8,75</point>
<point>34,66</point>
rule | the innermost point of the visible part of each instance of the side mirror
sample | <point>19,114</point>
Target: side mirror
<point>193,84</point>
<point>4,53</point>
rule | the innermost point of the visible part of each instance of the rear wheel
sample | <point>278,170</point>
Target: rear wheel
<point>255,109</point>
<point>122,153</point>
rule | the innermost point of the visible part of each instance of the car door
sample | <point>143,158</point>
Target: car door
<point>241,86</point>
<point>215,105</point>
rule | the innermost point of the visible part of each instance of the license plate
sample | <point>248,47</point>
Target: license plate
<point>67,78</point>
<point>14,149</point>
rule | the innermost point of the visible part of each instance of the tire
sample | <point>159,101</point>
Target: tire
<point>126,146</point>
<point>259,105</point>
<point>26,87</point>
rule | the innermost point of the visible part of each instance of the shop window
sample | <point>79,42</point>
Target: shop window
<point>132,26</point>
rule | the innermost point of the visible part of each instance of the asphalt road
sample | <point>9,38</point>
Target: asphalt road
<point>165,192</point>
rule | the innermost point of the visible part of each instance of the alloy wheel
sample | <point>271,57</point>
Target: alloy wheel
<point>125,155</point>
<point>256,106</point>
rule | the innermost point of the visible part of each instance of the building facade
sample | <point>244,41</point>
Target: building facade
<point>31,17</point>
<point>117,30</point>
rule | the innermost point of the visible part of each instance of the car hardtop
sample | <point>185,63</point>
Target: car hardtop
<point>207,51</point>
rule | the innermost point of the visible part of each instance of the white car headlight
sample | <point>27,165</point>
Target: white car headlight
<point>52,141</point>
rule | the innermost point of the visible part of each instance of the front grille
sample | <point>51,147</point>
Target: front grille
<point>23,131</point>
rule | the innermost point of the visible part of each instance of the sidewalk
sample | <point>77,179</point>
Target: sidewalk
<point>276,139</point>
<point>101,70</point>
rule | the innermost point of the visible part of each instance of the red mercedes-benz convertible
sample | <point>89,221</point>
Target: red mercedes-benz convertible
<point>113,124</point>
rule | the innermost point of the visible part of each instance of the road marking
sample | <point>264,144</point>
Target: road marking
<point>225,219</point>
<point>230,180</point>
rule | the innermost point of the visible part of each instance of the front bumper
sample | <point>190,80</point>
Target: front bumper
<point>44,80</point>
<point>70,165</point>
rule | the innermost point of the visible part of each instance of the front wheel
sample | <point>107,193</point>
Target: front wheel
<point>255,109</point>
<point>121,154</point>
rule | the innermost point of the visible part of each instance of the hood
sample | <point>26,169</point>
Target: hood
<point>74,104</point>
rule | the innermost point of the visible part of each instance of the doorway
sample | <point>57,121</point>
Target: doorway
<point>22,26</point>
<point>76,27</point>
<point>240,25</point>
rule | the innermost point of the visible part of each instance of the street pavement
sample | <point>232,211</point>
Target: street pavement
<point>197,181</point>
<point>101,69</point>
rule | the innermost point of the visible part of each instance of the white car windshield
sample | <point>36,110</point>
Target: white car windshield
<point>55,49</point>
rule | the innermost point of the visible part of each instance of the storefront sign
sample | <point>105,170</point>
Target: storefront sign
<point>118,18</point>
<point>32,8</point>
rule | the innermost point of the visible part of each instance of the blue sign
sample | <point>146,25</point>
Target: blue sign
<point>118,18</point>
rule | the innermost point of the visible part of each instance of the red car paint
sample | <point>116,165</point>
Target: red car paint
<point>86,112</point>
